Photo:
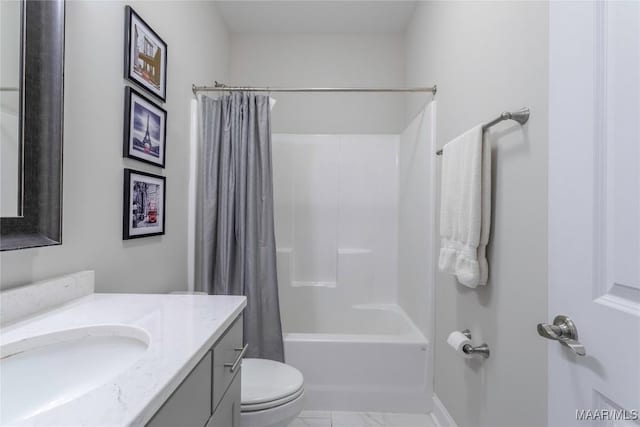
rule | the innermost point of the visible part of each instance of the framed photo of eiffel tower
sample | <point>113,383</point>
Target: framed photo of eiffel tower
<point>145,129</point>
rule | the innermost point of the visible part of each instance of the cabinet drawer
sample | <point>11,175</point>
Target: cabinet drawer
<point>190,404</point>
<point>226,350</point>
<point>228,412</point>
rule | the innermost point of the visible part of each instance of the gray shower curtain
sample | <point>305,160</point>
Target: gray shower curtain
<point>235,243</point>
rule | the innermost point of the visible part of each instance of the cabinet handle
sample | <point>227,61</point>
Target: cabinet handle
<point>235,364</point>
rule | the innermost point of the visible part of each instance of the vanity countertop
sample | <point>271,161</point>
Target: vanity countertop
<point>181,329</point>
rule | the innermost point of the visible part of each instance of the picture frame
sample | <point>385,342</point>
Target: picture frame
<point>145,55</point>
<point>144,204</point>
<point>145,129</point>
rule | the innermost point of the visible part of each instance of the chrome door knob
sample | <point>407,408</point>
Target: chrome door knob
<point>563,330</point>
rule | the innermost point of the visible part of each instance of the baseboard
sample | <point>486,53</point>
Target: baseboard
<point>440,415</point>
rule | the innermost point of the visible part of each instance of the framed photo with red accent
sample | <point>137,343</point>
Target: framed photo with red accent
<point>144,204</point>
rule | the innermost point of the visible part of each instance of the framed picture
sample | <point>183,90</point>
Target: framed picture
<point>144,204</point>
<point>145,129</point>
<point>145,56</point>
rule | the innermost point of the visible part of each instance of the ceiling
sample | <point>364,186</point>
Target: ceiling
<point>315,16</point>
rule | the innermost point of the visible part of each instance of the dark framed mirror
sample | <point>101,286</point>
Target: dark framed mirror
<point>39,119</point>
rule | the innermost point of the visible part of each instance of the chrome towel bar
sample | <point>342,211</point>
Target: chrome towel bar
<point>521,116</point>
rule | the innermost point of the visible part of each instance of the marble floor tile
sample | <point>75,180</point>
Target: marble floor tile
<point>361,419</point>
<point>315,414</point>
<point>311,422</point>
<point>408,420</point>
<point>356,419</point>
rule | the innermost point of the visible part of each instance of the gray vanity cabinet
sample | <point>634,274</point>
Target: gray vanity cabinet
<point>190,404</point>
<point>225,352</point>
<point>210,395</point>
<point>228,411</point>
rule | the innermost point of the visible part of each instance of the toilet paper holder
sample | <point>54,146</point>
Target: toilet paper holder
<point>482,350</point>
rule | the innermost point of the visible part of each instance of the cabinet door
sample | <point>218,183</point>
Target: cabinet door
<point>226,351</point>
<point>227,413</point>
<point>190,404</point>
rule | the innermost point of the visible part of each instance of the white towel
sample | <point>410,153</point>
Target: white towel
<point>465,208</point>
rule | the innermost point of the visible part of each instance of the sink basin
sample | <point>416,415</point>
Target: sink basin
<point>42,372</point>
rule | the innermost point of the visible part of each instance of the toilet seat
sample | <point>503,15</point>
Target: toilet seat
<point>270,404</point>
<point>267,384</point>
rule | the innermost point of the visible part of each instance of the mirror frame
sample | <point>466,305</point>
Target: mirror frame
<point>42,89</point>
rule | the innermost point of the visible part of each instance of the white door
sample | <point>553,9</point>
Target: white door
<point>594,210</point>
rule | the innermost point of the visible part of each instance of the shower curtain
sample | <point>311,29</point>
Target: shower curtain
<point>235,243</point>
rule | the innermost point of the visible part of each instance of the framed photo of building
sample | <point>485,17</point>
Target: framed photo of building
<point>144,204</point>
<point>145,56</point>
<point>145,129</point>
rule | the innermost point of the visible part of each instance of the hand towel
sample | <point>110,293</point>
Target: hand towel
<point>465,208</point>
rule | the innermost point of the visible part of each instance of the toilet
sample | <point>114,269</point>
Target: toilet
<point>272,393</point>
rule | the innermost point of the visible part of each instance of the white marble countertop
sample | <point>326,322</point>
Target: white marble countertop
<point>182,328</point>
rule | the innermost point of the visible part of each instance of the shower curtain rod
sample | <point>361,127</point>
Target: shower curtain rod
<point>219,87</point>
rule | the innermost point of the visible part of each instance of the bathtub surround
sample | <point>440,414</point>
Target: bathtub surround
<point>235,239</point>
<point>337,227</point>
<point>336,221</point>
<point>488,57</point>
<point>417,217</point>
<point>93,163</point>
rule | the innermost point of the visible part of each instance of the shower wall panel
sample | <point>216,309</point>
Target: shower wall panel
<point>336,213</point>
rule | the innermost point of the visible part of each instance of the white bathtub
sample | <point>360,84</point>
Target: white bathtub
<point>365,358</point>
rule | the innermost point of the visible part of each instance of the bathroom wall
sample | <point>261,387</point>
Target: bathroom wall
<point>324,60</point>
<point>487,57</point>
<point>93,165</point>
<point>336,201</point>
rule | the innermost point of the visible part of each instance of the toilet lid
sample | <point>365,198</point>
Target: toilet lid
<point>265,381</point>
